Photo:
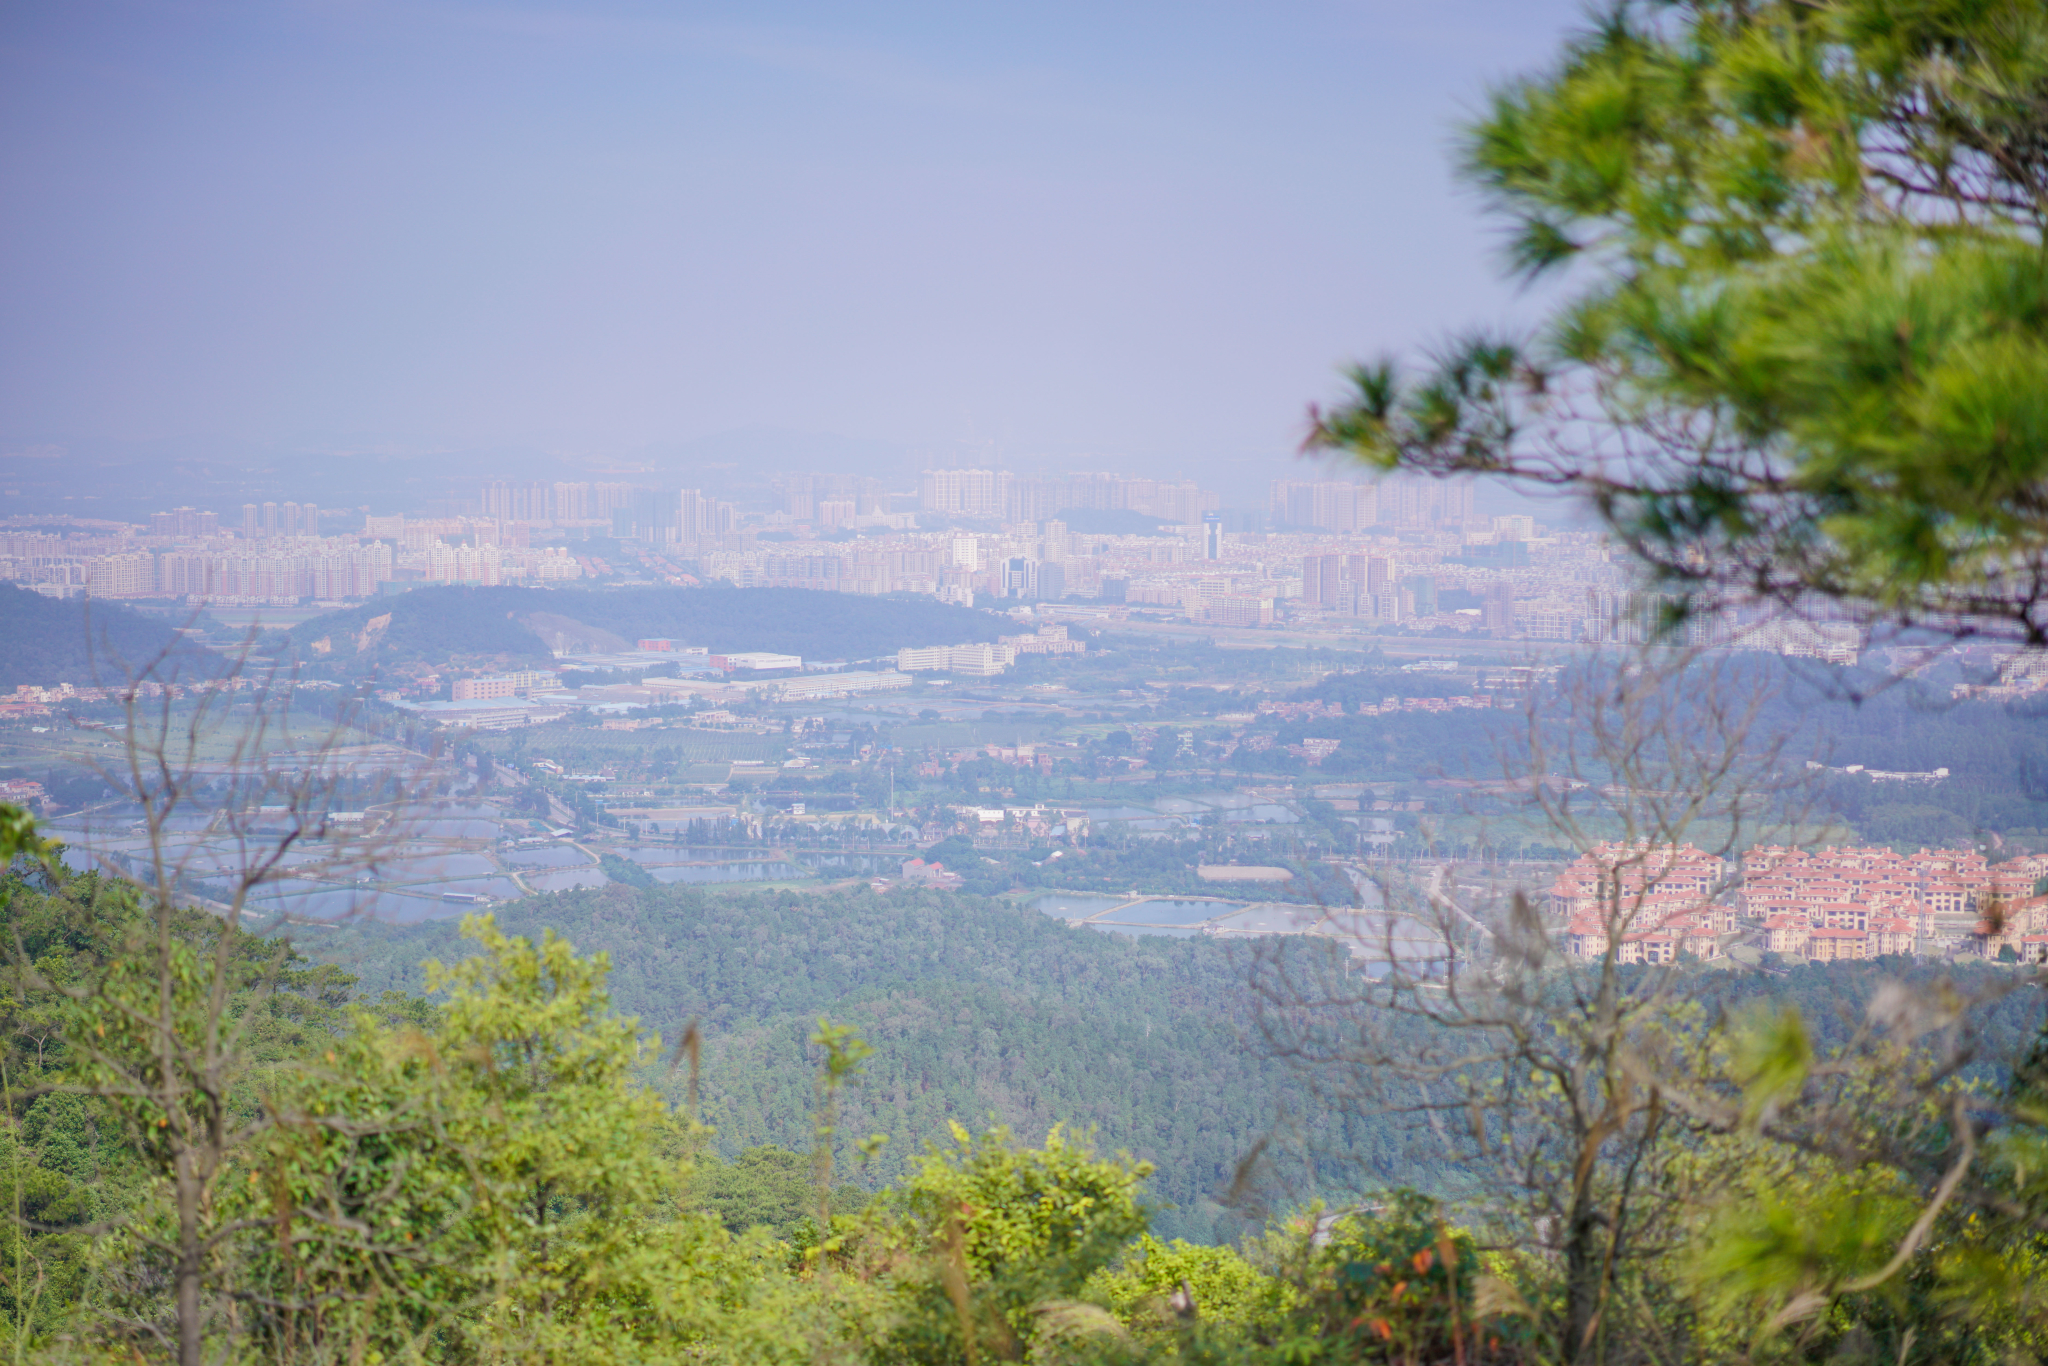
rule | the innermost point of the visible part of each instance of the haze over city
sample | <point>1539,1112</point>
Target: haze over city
<point>1316,684</point>
<point>595,236</point>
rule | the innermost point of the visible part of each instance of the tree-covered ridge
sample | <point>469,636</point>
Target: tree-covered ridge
<point>979,1010</point>
<point>480,1177</point>
<point>434,624</point>
<point>486,1173</point>
<point>88,642</point>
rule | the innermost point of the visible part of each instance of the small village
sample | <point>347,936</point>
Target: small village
<point>1846,903</point>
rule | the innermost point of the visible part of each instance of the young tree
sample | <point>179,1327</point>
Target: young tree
<point>1537,1045</point>
<point>227,802</point>
<point>487,1182</point>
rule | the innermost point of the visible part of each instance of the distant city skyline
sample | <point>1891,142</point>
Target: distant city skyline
<point>615,237</point>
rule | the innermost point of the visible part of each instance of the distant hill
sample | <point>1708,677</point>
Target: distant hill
<point>794,621</point>
<point>517,624</point>
<point>428,625</point>
<point>70,640</point>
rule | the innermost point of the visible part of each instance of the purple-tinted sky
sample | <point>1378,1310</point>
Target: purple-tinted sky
<point>1135,235</point>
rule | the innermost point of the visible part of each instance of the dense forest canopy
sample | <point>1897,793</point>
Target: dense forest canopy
<point>979,1010</point>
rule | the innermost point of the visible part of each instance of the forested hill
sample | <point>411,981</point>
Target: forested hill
<point>432,624</point>
<point>982,1009</point>
<point>72,640</point>
<point>977,1009</point>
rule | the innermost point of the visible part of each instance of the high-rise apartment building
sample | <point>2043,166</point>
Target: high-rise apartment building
<point>1421,591</point>
<point>999,495</point>
<point>1326,504</point>
<point>802,496</point>
<point>797,496</point>
<point>699,515</point>
<point>1498,610</point>
<point>569,502</point>
<point>132,575</point>
<point>965,493</point>
<point>1039,499</point>
<point>1322,581</point>
<point>605,499</point>
<point>522,500</point>
<point>1393,500</point>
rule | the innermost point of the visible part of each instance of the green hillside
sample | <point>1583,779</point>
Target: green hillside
<point>71,640</point>
<point>433,624</point>
<point>976,1009</point>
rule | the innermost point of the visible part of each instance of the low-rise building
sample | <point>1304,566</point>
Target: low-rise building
<point>976,660</point>
<point>1833,944</point>
<point>755,659</point>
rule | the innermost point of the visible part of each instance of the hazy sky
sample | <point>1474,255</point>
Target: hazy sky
<point>1138,234</point>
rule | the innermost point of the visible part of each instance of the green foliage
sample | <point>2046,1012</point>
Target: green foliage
<point>1392,1280</point>
<point>18,836</point>
<point>1809,246</point>
<point>977,1009</point>
<point>1230,1297</point>
<point>557,1141</point>
<point>625,871</point>
<point>1773,1056</point>
<point>499,1169</point>
<point>1008,1233</point>
<point>496,1188</point>
<point>45,1197</point>
<point>767,1187</point>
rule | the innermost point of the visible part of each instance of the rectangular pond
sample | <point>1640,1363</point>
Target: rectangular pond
<point>726,872</point>
<point>1075,905</point>
<point>1164,912</point>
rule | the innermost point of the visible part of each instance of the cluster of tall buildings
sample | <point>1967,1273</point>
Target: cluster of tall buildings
<point>1396,552</point>
<point>258,521</point>
<point>186,554</point>
<point>611,509</point>
<point>999,495</point>
<point>535,500</point>
<point>832,501</point>
<point>1365,585</point>
<point>1395,501</point>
